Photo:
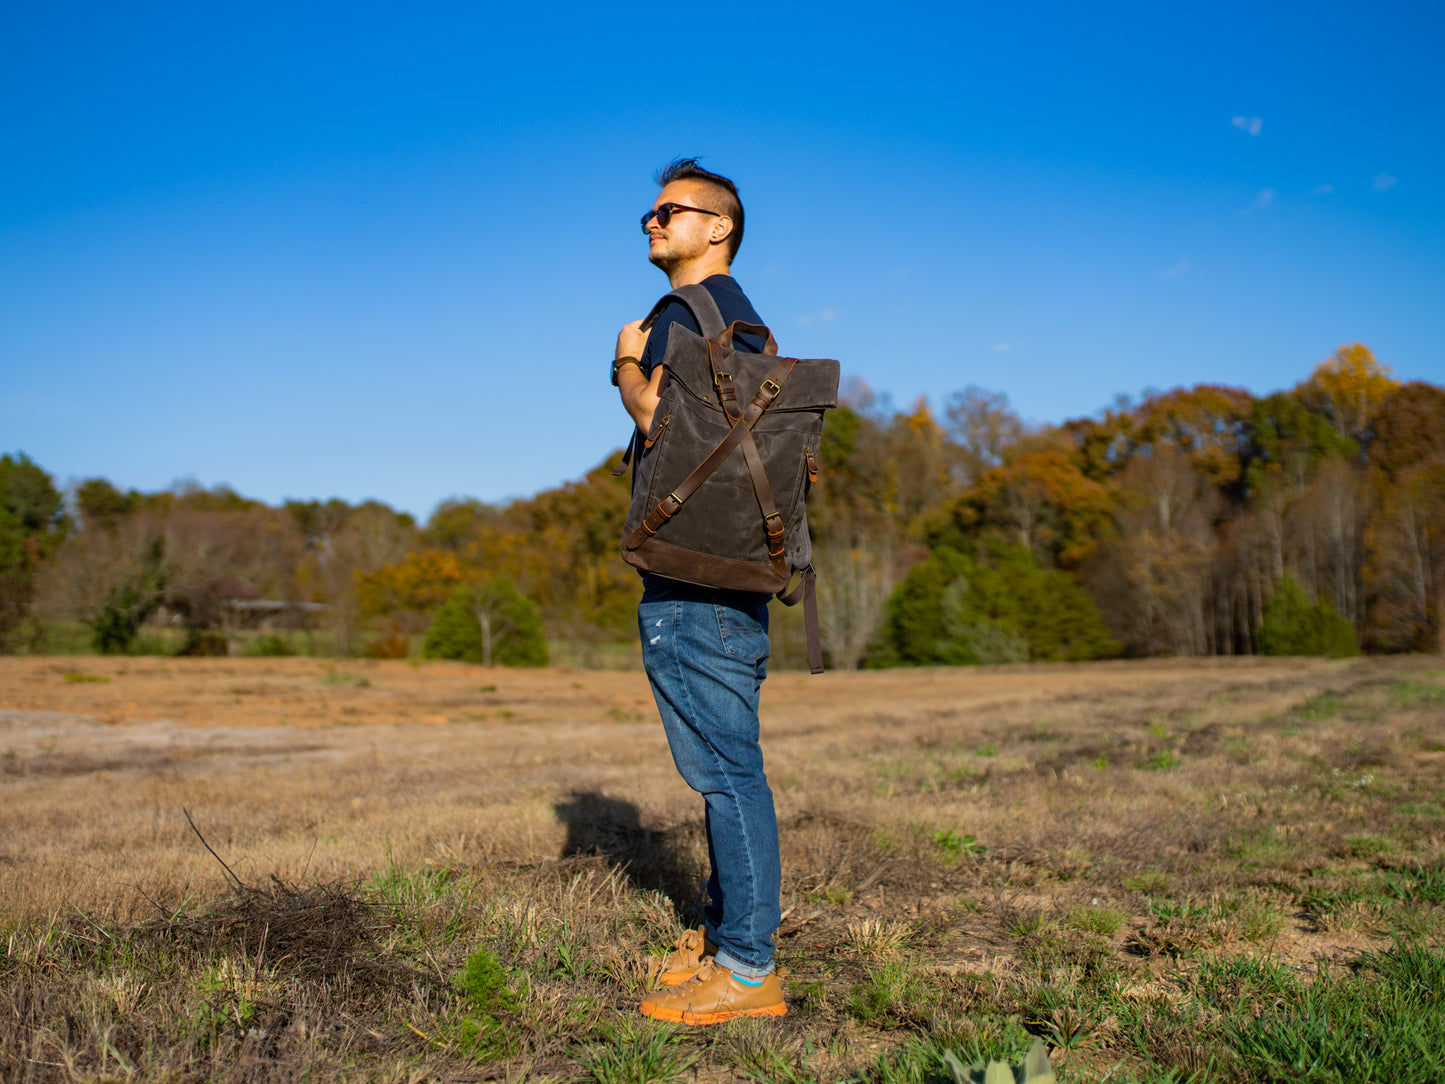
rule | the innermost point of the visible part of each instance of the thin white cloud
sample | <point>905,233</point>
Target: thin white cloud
<point>825,316</point>
<point>1252,125</point>
<point>1175,271</point>
<point>1261,201</point>
<point>1002,348</point>
<point>1322,190</point>
<point>1383,182</point>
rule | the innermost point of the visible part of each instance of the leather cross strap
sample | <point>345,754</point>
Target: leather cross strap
<point>772,520</point>
<point>773,524</point>
<point>669,505</point>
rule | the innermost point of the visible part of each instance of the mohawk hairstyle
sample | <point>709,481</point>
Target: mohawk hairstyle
<point>687,169</point>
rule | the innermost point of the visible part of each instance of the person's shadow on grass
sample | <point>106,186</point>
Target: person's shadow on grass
<point>653,859</point>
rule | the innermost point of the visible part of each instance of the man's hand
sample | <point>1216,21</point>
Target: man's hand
<point>631,340</point>
<point>639,395</point>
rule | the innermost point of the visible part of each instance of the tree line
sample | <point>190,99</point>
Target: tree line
<point>1197,521</point>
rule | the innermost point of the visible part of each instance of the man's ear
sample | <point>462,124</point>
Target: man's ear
<point>722,227</point>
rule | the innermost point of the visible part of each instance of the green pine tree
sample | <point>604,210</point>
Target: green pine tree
<point>1293,625</point>
<point>997,606</point>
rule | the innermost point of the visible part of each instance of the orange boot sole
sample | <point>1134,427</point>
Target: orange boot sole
<point>680,1016</point>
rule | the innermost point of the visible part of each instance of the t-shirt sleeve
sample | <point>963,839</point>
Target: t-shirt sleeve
<point>656,349</point>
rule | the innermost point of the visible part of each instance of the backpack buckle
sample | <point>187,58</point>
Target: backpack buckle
<point>718,378</point>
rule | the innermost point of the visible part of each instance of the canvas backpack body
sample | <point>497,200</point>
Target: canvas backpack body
<point>719,496</point>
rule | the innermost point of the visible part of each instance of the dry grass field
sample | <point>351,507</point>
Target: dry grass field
<point>1201,869</point>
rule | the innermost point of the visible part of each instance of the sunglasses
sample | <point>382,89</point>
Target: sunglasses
<point>665,211</point>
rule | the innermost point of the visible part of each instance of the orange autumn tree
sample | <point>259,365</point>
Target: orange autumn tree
<point>1208,424</point>
<point>407,592</point>
<point>1350,387</point>
<point>575,531</point>
<point>918,452</point>
<point>1041,500</point>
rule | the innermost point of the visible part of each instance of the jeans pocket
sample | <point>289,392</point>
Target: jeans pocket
<point>744,636</point>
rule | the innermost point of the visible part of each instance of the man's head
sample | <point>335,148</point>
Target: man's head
<point>710,231</point>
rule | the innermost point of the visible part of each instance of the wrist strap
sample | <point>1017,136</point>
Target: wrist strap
<point>620,362</point>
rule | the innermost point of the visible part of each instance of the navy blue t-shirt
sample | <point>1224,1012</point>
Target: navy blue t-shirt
<point>731,302</point>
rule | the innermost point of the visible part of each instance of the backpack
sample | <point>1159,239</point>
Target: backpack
<point>722,478</point>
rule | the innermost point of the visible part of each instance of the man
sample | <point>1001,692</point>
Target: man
<point>706,650</point>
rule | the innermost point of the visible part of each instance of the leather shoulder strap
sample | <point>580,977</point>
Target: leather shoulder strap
<point>699,302</point>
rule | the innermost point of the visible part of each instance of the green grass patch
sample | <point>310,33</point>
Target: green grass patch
<point>1248,980</point>
<point>1379,1020</point>
<point>1257,922</point>
<point>423,902</point>
<point>1104,921</point>
<point>1151,880</point>
<point>1420,809</point>
<point>1322,706</point>
<point>1366,845</point>
<point>1417,884</point>
<point>954,846</point>
<point>893,995</point>
<point>1417,694</point>
<point>341,677</point>
<point>1266,846</point>
<point>638,1051</point>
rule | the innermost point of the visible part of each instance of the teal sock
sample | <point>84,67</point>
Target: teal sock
<point>747,981</point>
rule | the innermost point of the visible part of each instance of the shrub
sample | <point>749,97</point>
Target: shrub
<point>125,609</point>
<point>204,643</point>
<point>1293,625</point>
<point>996,606</point>
<point>388,647</point>
<point>120,618</point>
<point>488,622</point>
<point>270,647</point>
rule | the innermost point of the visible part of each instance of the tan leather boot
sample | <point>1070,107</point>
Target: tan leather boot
<point>714,995</point>
<point>687,956</point>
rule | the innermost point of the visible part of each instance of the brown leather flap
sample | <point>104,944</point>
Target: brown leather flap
<point>812,385</point>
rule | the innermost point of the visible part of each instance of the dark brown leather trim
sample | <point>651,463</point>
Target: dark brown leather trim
<point>677,563</point>
<point>626,455</point>
<point>656,432</point>
<point>806,592</point>
<point>726,338</point>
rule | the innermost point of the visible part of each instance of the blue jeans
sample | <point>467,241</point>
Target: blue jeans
<point>706,654</point>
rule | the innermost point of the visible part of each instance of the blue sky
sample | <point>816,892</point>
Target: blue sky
<point>361,251</point>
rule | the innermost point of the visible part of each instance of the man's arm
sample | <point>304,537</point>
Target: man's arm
<point>639,394</point>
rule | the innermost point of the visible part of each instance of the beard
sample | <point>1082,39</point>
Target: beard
<point>663,259</point>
